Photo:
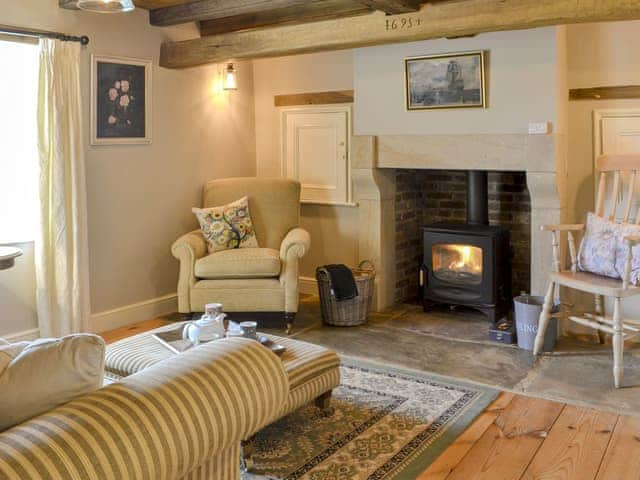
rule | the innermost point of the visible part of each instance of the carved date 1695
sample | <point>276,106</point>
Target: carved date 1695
<point>403,23</point>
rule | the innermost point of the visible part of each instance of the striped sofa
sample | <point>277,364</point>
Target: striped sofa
<point>178,419</point>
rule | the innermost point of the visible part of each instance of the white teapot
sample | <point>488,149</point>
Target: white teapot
<point>209,327</point>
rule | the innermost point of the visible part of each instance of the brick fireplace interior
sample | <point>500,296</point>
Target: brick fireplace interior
<point>430,196</point>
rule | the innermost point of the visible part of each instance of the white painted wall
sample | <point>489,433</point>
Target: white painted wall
<point>333,229</point>
<point>140,197</point>
<point>521,86</point>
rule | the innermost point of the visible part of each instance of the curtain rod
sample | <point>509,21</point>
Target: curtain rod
<point>21,32</point>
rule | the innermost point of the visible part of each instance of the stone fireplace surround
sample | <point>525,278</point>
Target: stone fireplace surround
<point>375,158</point>
<point>425,197</point>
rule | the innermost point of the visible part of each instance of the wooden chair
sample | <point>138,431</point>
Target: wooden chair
<point>615,166</point>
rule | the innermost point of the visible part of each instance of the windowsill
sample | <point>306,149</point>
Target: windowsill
<point>22,242</point>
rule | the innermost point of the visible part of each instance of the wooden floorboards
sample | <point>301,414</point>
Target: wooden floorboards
<point>524,438</point>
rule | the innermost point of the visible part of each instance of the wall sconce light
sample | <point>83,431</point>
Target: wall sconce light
<point>230,80</point>
<point>106,6</point>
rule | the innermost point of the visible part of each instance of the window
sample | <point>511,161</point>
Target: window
<point>18,142</point>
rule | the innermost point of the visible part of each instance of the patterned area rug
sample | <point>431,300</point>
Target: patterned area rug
<point>385,424</point>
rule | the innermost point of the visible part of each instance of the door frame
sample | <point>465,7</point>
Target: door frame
<point>601,114</point>
<point>598,116</point>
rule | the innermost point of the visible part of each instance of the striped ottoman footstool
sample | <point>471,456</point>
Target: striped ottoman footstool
<point>313,371</point>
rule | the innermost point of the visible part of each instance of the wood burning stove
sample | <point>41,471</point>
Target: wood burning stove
<point>468,264</point>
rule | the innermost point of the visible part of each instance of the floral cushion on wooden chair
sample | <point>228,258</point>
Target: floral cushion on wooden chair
<point>603,250</point>
<point>228,226</point>
<point>599,247</point>
<point>627,230</point>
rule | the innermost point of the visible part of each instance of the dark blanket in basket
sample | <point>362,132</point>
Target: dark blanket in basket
<point>343,285</point>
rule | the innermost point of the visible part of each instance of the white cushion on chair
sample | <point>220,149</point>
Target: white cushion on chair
<point>628,230</point>
<point>239,263</point>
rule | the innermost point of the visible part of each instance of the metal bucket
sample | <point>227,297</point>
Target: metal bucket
<point>527,313</point>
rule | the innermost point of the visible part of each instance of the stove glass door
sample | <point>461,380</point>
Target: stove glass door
<point>457,264</point>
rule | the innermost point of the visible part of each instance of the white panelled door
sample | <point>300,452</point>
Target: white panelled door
<point>617,131</point>
<point>315,151</point>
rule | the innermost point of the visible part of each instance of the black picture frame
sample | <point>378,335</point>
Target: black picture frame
<point>120,100</point>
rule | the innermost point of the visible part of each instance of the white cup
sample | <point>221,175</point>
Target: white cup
<point>250,329</point>
<point>191,331</point>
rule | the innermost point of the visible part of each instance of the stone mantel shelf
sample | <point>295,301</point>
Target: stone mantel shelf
<point>503,152</point>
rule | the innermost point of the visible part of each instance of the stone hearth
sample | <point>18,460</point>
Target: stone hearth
<point>455,344</point>
<point>375,161</point>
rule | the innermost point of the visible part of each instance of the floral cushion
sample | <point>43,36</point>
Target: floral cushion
<point>228,226</point>
<point>627,230</point>
<point>603,250</point>
<point>598,249</point>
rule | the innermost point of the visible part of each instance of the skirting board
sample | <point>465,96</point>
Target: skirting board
<point>148,309</point>
<point>136,312</point>
<point>308,285</point>
<point>25,336</point>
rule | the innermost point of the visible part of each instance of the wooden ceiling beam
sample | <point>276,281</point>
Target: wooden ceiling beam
<point>393,7</point>
<point>434,20</point>
<point>210,9</point>
<point>250,12</point>
<point>310,12</point>
<point>68,4</point>
<point>147,4</point>
<point>263,13</point>
<point>151,4</point>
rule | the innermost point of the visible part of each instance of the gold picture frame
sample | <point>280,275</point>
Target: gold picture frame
<point>448,80</point>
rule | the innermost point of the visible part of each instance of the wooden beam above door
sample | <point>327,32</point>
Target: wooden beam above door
<point>605,93</point>
<point>434,20</point>
<point>314,98</point>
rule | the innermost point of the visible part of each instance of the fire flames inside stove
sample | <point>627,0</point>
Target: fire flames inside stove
<point>459,264</point>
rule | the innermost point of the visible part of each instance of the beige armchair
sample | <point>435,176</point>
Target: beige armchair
<point>253,283</point>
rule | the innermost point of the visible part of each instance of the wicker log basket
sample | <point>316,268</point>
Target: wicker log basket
<point>347,313</point>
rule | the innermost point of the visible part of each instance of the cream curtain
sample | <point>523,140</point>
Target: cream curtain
<point>61,248</point>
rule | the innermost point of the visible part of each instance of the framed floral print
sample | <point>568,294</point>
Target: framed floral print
<point>120,100</point>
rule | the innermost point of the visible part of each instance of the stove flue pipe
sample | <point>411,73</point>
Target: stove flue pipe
<point>477,198</point>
